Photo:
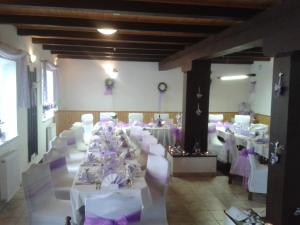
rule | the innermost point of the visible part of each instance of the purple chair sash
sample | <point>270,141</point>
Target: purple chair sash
<point>176,132</point>
<point>131,218</point>
<point>58,163</point>
<point>242,165</point>
<point>212,130</point>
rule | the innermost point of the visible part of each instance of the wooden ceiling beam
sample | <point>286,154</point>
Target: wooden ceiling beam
<point>89,23</point>
<point>147,8</point>
<point>116,37</point>
<point>99,54</point>
<point>276,29</point>
<point>106,49</point>
<point>138,59</point>
<point>128,32</point>
<point>102,44</point>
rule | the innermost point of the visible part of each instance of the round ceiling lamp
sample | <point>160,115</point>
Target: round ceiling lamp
<point>107,31</point>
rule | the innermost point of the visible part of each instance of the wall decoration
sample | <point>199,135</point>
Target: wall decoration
<point>162,87</point>
<point>109,84</point>
<point>279,85</point>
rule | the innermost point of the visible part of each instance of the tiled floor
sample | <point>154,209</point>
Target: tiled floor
<point>190,201</point>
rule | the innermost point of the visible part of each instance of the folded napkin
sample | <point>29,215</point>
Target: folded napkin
<point>114,179</point>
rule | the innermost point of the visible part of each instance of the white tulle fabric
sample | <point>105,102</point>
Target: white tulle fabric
<point>258,179</point>
<point>20,57</point>
<point>157,149</point>
<point>135,117</point>
<point>43,207</point>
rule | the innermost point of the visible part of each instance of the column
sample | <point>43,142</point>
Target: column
<point>195,120</point>
<point>283,196</point>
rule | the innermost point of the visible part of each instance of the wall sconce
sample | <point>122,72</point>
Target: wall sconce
<point>114,74</point>
<point>32,58</point>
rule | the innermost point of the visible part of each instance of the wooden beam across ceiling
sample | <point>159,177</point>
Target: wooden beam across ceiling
<point>68,42</point>
<point>116,37</point>
<point>269,29</point>
<point>127,50</point>
<point>147,8</point>
<point>127,58</point>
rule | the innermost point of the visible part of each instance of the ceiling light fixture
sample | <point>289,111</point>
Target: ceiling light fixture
<point>237,77</point>
<point>107,31</point>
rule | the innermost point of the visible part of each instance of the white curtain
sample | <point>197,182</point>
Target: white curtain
<point>22,76</point>
<point>49,66</point>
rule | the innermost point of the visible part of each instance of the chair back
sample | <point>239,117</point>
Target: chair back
<point>115,208</point>
<point>147,141</point>
<point>135,117</point>
<point>157,170</point>
<point>58,143</point>
<point>214,118</point>
<point>38,187</point>
<point>57,163</point>
<point>157,149</point>
<point>242,120</point>
<point>69,137</point>
<point>231,148</point>
<point>212,133</point>
<point>105,116</point>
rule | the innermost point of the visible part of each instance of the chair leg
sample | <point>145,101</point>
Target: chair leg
<point>250,196</point>
<point>230,179</point>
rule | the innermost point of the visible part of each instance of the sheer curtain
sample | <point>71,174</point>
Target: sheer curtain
<point>47,66</point>
<point>22,77</point>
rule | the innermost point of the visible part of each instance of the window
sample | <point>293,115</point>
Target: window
<point>48,93</point>
<point>8,100</point>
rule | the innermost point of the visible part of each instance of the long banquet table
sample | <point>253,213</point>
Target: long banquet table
<point>95,161</point>
<point>261,149</point>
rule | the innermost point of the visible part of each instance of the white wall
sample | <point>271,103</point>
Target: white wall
<point>225,96</point>
<point>260,99</point>
<point>9,36</point>
<point>82,86</point>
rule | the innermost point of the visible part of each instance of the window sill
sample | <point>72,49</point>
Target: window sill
<point>7,140</point>
<point>48,115</point>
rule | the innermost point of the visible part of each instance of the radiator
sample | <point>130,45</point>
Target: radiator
<point>50,134</point>
<point>10,176</point>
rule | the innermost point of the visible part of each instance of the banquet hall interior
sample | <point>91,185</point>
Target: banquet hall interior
<point>150,112</point>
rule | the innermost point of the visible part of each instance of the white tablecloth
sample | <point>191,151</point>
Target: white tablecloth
<point>80,192</point>
<point>163,134</point>
<point>260,149</point>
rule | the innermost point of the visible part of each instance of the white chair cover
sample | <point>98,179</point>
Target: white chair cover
<point>147,141</point>
<point>42,206</point>
<point>157,176</point>
<point>163,116</point>
<point>104,116</point>
<point>214,145</point>
<point>213,118</point>
<point>258,178</point>
<point>79,136</point>
<point>115,208</point>
<point>242,120</point>
<point>157,149</point>
<point>135,117</point>
<point>87,121</point>
<point>61,177</point>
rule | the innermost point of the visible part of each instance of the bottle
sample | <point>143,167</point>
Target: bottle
<point>159,121</point>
